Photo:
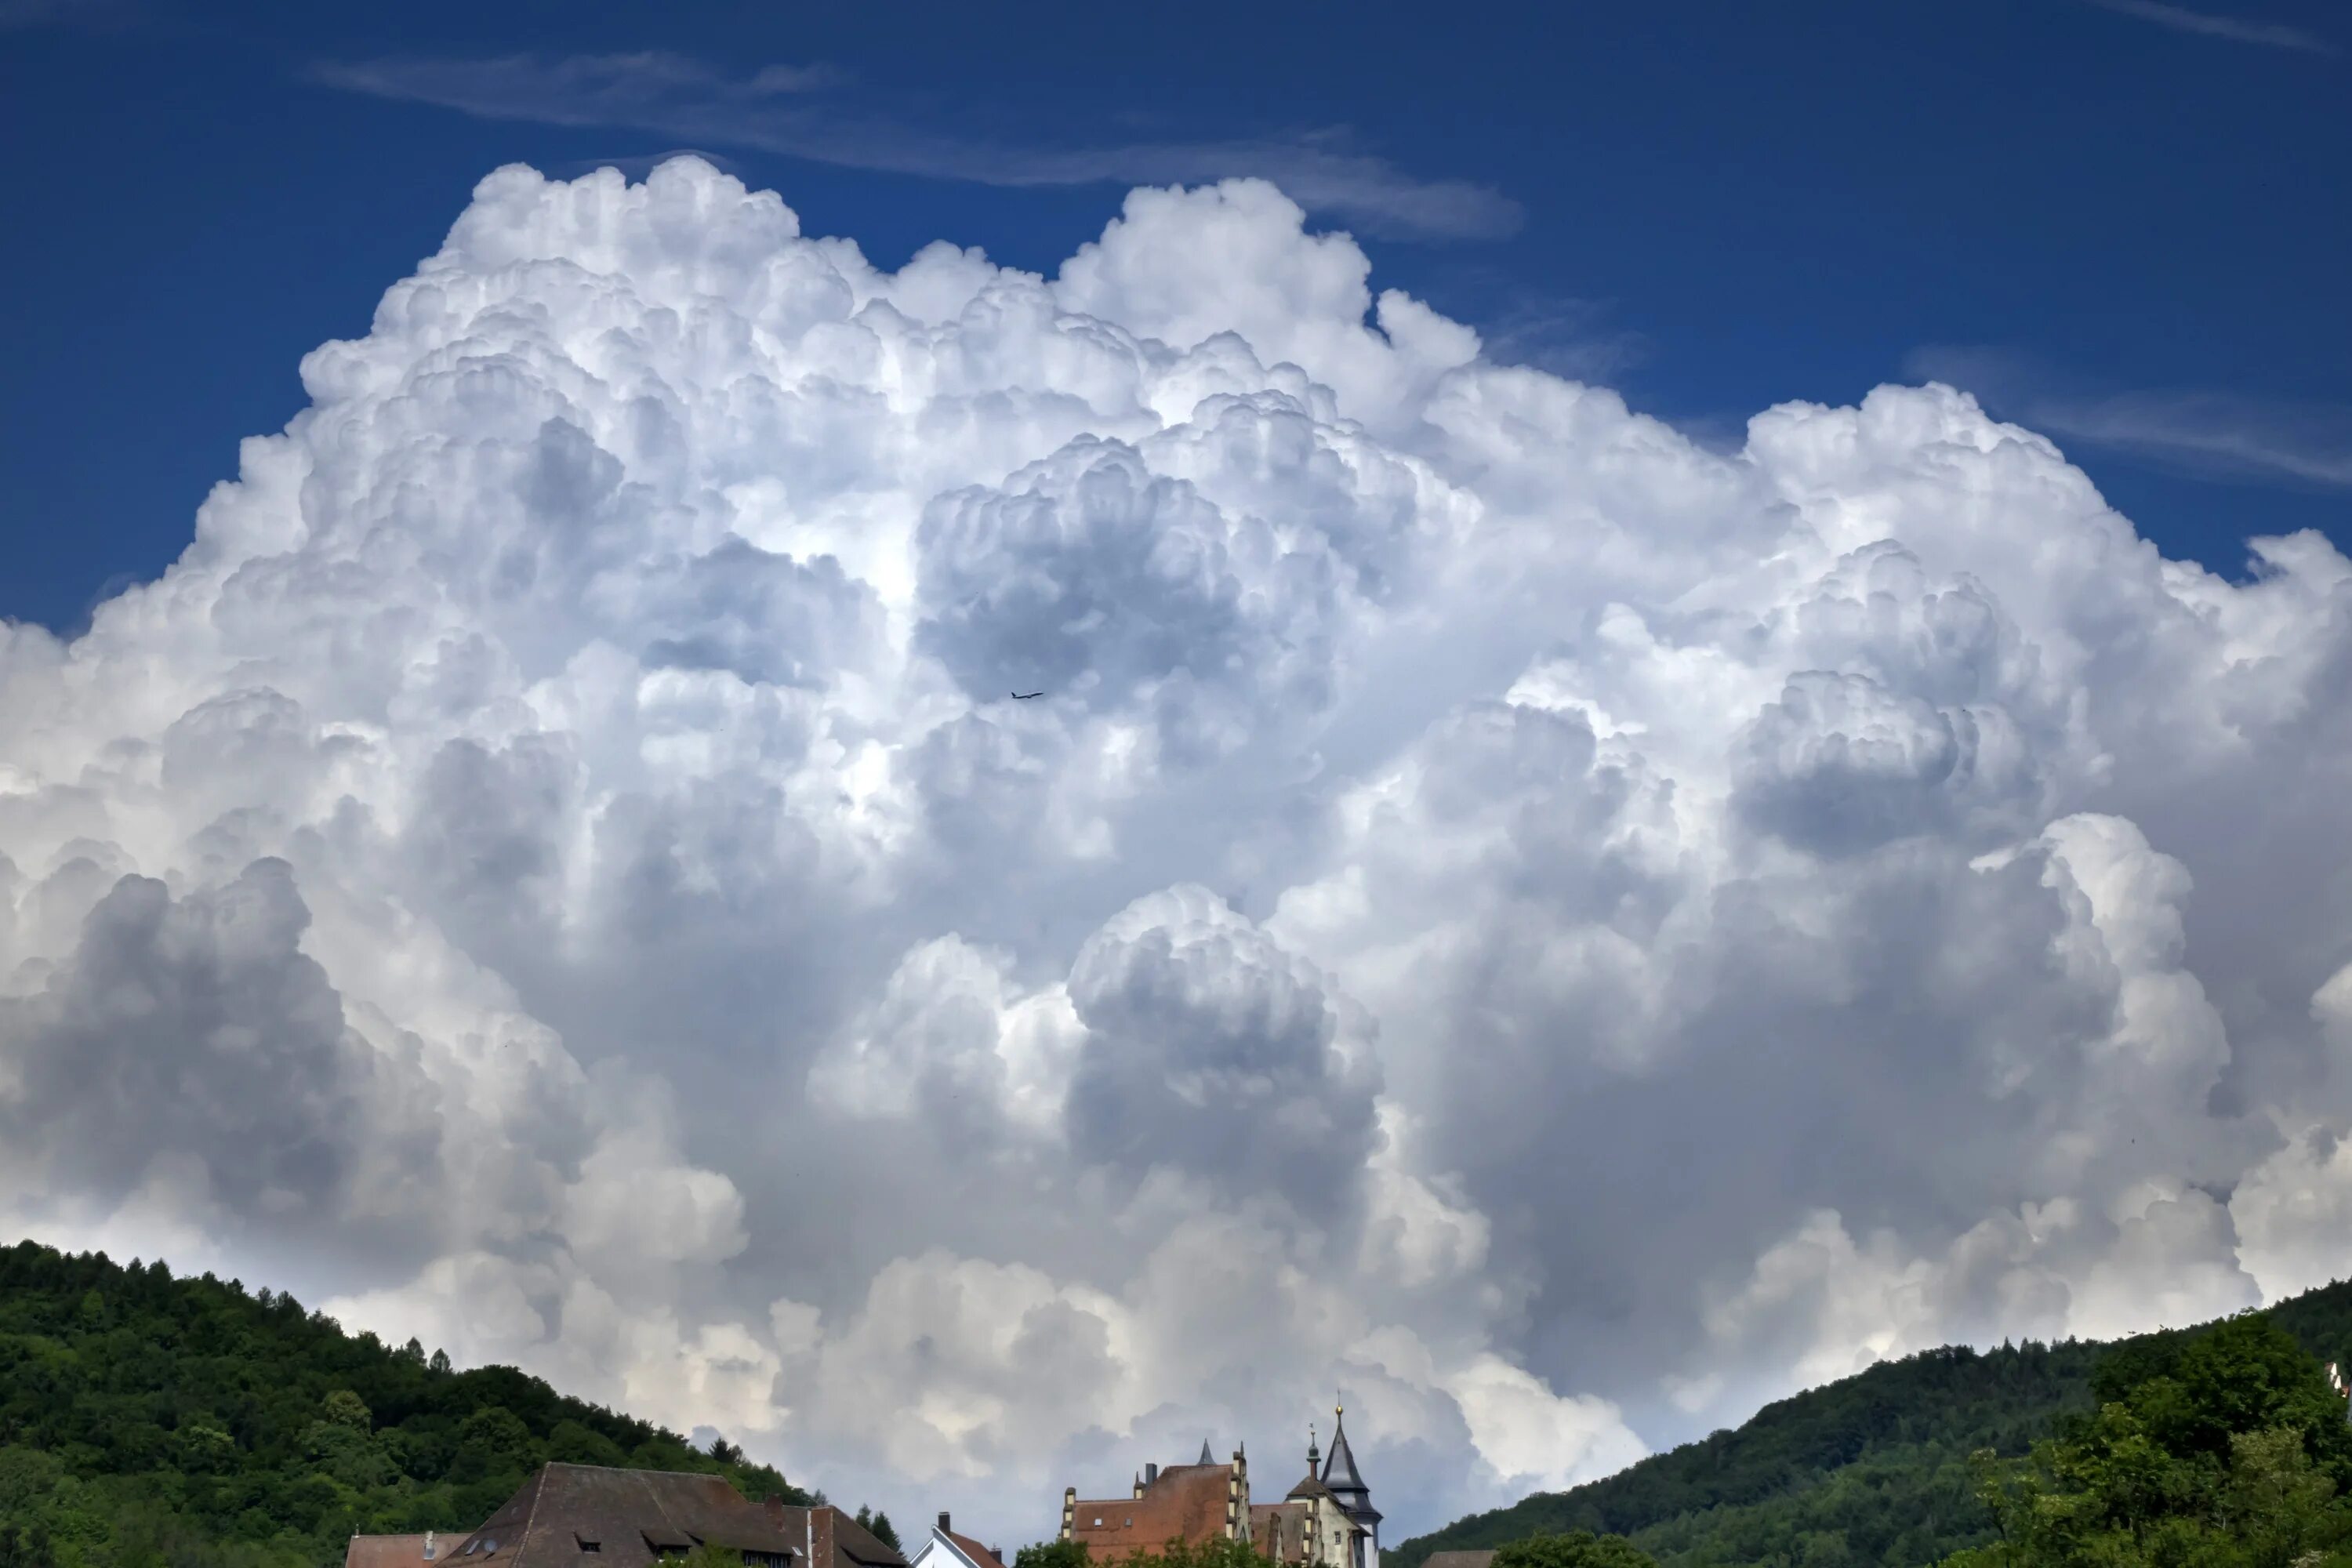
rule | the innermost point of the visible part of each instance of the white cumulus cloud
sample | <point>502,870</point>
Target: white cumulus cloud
<point>1557,930</point>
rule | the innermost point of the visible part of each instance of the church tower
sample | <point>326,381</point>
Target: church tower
<point>1355,1499</point>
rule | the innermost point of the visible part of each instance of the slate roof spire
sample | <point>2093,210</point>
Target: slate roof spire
<point>1339,1473</point>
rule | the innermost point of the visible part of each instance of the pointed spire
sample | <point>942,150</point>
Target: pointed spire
<point>1313,1454</point>
<point>1347,1484</point>
<point>1339,1471</point>
<point>1206,1457</point>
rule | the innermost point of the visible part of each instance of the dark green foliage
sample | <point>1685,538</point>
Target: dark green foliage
<point>2220,1450</point>
<point>1051,1554</point>
<point>879,1523</point>
<point>1879,1469</point>
<point>147,1421</point>
<point>1218,1552</point>
<point>25,1548</point>
<point>1576,1549</point>
<point>704,1557</point>
<point>1872,1470</point>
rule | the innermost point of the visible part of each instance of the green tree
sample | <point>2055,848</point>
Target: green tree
<point>1578,1549</point>
<point>154,1422</point>
<point>206,1449</point>
<point>347,1454</point>
<point>703,1557</point>
<point>1051,1554</point>
<point>26,1546</point>
<point>1214,1552</point>
<point>345,1408</point>
<point>885,1533</point>
<point>492,1441</point>
<point>575,1444</point>
<point>2217,1450</point>
<point>2277,1503</point>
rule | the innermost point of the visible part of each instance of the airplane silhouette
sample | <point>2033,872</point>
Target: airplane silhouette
<point>1024,696</point>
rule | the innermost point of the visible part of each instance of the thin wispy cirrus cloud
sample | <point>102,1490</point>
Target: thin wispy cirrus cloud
<point>2237,29</point>
<point>2201,431</point>
<point>799,111</point>
<point>1577,338</point>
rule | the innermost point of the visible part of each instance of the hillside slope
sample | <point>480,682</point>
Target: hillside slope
<point>149,1420</point>
<point>1870,1470</point>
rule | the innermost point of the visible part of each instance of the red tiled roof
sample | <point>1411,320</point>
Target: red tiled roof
<point>832,1539</point>
<point>396,1551</point>
<point>975,1550</point>
<point>1186,1503</point>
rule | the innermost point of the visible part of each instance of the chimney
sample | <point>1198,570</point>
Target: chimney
<point>944,1518</point>
<point>428,1534</point>
<point>1151,1473</point>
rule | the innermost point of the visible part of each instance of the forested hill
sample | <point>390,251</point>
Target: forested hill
<point>1870,1469</point>
<point>146,1420</point>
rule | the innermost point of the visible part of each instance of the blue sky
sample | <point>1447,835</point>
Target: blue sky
<point>2123,222</point>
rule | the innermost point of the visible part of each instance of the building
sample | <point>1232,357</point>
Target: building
<point>567,1514</point>
<point>1346,1483</point>
<point>826,1538</point>
<point>1326,1520</point>
<point>946,1549</point>
<point>1200,1501</point>
<point>396,1551</point>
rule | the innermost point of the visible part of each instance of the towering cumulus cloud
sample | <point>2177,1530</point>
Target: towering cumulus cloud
<point>1562,932</point>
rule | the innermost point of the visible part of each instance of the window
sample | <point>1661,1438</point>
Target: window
<point>588,1545</point>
